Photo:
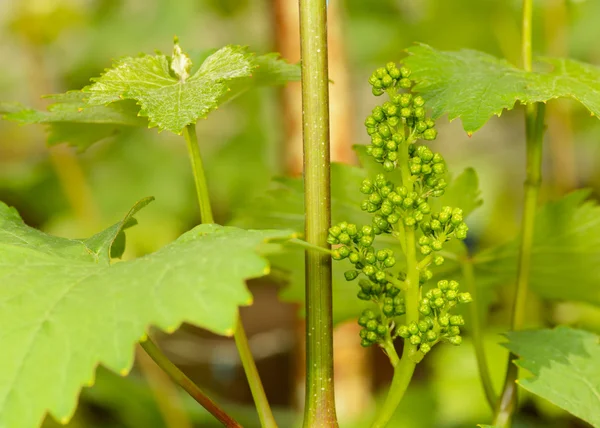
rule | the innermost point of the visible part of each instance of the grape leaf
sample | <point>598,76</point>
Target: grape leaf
<point>71,120</point>
<point>565,364</point>
<point>64,308</point>
<point>168,96</point>
<point>474,86</point>
<point>283,207</point>
<point>565,260</point>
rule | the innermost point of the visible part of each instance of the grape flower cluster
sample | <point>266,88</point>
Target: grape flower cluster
<point>401,210</point>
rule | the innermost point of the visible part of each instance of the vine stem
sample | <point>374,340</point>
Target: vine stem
<point>186,383</point>
<point>477,334</point>
<point>404,370</point>
<point>534,130</point>
<point>319,409</point>
<point>265,414</point>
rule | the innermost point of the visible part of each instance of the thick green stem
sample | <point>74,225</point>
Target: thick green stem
<point>403,372</point>
<point>319,408</point>
<point>187,384</point>
<point>534,129</point>
<point>260,399</point>
<point>477,334</point>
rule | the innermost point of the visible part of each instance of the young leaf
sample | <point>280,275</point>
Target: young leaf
<point>565,260</point>
<point>171,98</point>
<point>474,86</point>
<point>71,120</point>
<point>64,309</point>
<point>565,364</point>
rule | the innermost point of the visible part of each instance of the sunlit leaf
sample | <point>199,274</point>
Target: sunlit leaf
<point>565,368</point>
<point>474,86</point>
<point>64,308</point>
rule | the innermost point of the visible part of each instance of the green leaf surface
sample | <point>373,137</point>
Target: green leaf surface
<point>565,261</point>
<point>565,368</point>
<point>474,86</point>
<point>283,207</point>
<point>64,308</point>
<point>71,120</point>
<point>171,101</point>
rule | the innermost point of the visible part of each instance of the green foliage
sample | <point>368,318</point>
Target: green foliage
<point>66,309</point>
<point>565,364</point>
<point>474,86</point>
<point>162,86</point>
<point>565,256</point>
<point>71,120</point>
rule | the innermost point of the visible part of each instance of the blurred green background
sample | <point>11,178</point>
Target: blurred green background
<point>50,46</point>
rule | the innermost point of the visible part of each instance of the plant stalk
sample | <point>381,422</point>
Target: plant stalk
<point>477,334</point>
<point>187,384</point>
<point>534,130</point>
<point>403,372</point>
<point>258,393</point>
<point>319,410</point>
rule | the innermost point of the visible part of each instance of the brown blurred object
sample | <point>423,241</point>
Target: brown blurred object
<point>351,362</point>
<point>560,127</point>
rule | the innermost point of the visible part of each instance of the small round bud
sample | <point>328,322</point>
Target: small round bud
<point>423,327</point>
<point>389,262</point>
<point>431,336</point>
<point>351,275</point>
<point>413,328</point>
<point>415,340</point>
<point>425,348</point>
<point>455,340</point>
<point>403,332</point>
<point>438,260</point>
<point>362,321</point>
<point>381,330</point>
<point>372,336</point>
<point>388,310</point>
<point>365,343</point>
<point>425,310</point>
<point>404,83</point>
<point>457,320</point>
<point>464,298</point>
<point>372,325</point>
<point>430,134</point>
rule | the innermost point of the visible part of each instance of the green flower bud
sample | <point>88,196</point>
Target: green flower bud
<point>403,332</point>
<point>457,320</point>
<point>431,336</point>
<point>366,241</point>
<point>425,250</point>
<point>409,221</point>
<point>453,330</point>
<point>372,325</point>
<point>354,257</point>
<point>377,91</point>
<point>439,302</point>
<point>404,83</point>
<point>425,348</point>
<point>365,343</point>
<point>406,112</point>
<point>415,340</point>
<point>419,113</point>
<point>388,310</point>
<point>455,340</point>
<point>451,295</point>
<point>405,72</point>
<point>363,296</point>
<point>436,244</point>
<point>464,298</point>
<point>362,321</point>
<point>438,260</point>
<point>344,252</point>
<point>423,327</point>
<point>444,320</point>
<point>425,310</point>
<point>372,336</point>
<point>418,101</point>
<point>369,313</point>
<point>389,262</point>
<point>351,275</point>
<point>393,218</point>
<point>453,285</point>
<point>430,134</point>
<point>381,330</point>
<point>413,328</point>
